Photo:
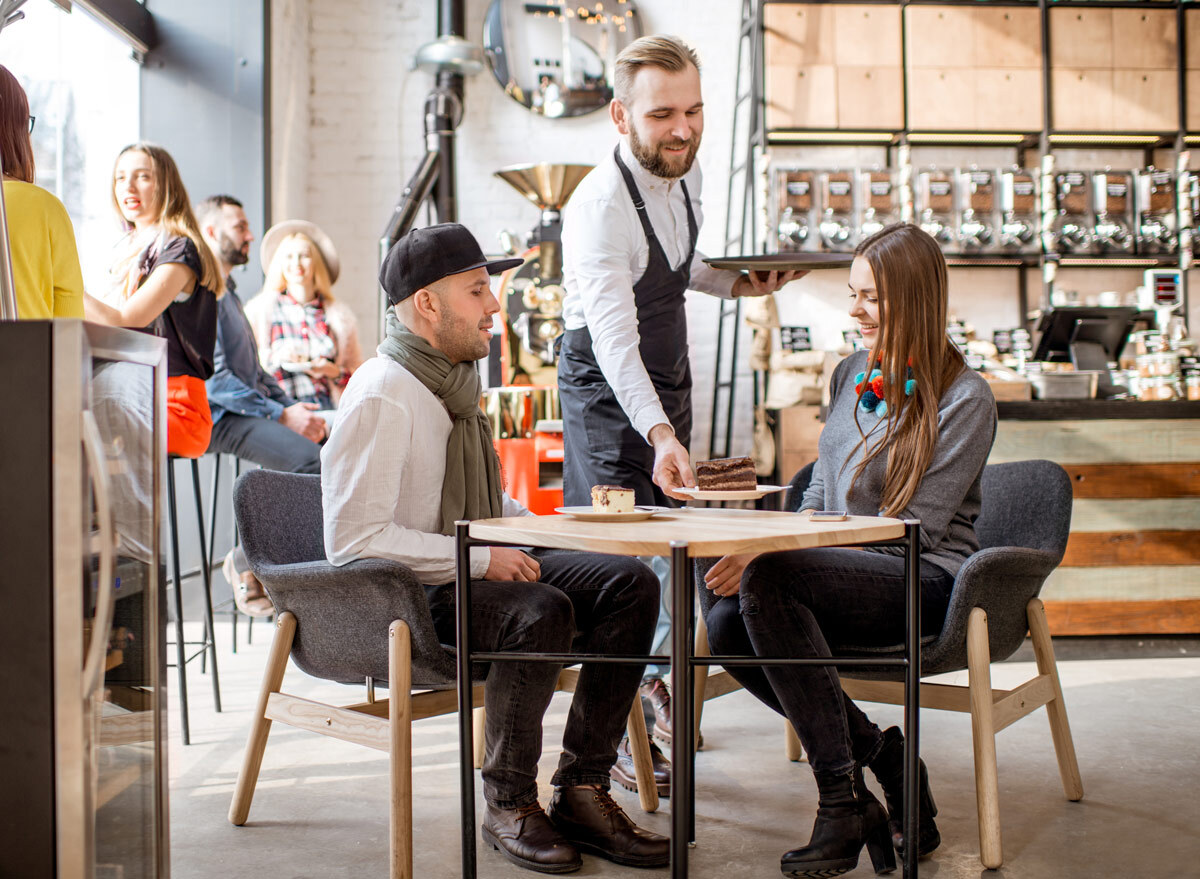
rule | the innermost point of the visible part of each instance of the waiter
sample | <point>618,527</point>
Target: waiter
<point>629,255</point>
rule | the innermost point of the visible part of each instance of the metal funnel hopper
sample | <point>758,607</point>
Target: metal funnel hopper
<point>545,184</point>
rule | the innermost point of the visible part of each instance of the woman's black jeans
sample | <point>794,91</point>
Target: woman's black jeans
<point>802,603</point>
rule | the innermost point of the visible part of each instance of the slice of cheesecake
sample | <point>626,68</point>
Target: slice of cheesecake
<point>726,474</point>
<point>612,499</point>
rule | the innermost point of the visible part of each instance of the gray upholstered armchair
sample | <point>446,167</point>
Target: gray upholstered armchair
<point>366,622</point>
<point>1022,528</point>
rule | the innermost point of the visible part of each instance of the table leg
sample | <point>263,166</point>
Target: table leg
<point>683,749</point>
<point>466,747</point>
<point>912,689</point>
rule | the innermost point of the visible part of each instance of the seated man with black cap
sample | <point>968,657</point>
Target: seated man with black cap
<point>410,453</point>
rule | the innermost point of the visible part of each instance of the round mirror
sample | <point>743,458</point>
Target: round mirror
<point>556,57</point>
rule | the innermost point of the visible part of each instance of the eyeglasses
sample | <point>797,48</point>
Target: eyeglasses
<point>32,119</point>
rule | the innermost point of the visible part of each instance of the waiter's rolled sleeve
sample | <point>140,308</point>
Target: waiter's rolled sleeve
<point>706,279</point>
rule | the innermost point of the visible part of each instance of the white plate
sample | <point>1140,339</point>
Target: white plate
<point>638,514</point>
<point>296,367</point>
<point>699,494</point>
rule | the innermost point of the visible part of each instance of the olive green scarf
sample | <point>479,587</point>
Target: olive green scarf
<point>471,488</point>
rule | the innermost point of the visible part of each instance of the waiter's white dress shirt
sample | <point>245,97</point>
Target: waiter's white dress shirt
<point>605,253</point>
<point>381,476</point>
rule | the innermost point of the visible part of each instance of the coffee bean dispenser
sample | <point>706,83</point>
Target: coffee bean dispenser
<point>880,200</point>
<point>935,206</point>
<point>1018,211</point>
<point>1072,226</point>
<point>794,226</point>
<point>1156,227</point>
<point>977,217</point>
<point>1112,202</point>
<point>837,227</point>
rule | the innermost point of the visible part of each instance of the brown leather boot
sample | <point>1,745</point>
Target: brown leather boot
<point>527,838</point>
<point>623,773</point>
<point>594,823</point>
<point>654,691</point>
<point>248,594</point>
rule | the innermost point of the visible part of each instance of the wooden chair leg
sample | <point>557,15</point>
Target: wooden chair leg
<point>702,672</point>
<point>643,764</point>
<point>983,732</point>
<point>479,725</point>
<point>400,749</point>
<point>1060,728</point>
<point>281,648</point>
<point>791,743</point>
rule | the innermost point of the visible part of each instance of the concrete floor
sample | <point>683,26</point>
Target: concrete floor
<point>321,805</point>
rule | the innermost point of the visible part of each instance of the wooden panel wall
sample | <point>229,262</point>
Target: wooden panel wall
<point>970,68</point>
<point>1133,560</point>
<point>832,66</point>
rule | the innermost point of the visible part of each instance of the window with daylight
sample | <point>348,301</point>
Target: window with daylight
<point>82,83</point>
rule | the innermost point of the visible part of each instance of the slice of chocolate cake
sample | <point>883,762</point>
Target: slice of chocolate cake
<point>726,474</point>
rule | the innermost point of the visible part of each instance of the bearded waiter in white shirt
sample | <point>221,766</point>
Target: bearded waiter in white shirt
<point>629,255</point>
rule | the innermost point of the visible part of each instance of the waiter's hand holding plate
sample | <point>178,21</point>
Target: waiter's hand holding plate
<point>672,466</point>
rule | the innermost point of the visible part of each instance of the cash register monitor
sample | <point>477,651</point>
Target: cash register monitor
<point>1097,334</point>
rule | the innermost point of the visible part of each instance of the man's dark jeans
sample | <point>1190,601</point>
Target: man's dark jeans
<point>799,604</point>
<point>265,442</point>
<point>584,602</point>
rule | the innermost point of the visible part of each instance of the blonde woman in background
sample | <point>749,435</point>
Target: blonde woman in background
<point>306,339</point>
<point>167,281</point>
<point>45,262</point>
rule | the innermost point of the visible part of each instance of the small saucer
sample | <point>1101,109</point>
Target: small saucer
<point>638,514</point>
<point>699,494</point>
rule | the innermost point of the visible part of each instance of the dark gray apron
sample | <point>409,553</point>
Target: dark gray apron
<point>601,446</point>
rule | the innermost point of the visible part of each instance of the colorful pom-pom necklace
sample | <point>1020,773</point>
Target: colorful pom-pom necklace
<point>871,389</point>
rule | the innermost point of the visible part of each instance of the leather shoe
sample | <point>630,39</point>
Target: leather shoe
<point>594,823</point>
<point>248,594</point>
<point>623,773</point>
<point>654,691</point>
<point>527,838</point>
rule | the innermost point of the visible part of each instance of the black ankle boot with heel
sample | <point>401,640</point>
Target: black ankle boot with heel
<point>888,767</point>
<point>848,817</point>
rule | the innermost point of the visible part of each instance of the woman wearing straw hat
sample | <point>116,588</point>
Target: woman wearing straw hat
<point>307,339</point>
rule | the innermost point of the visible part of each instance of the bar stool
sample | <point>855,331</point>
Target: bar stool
<point>228,605</point>
<point>207,645</point>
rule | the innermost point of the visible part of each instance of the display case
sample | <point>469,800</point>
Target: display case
<point>82,608</point>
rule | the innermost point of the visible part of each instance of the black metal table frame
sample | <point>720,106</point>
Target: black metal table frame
<point>683,665</point>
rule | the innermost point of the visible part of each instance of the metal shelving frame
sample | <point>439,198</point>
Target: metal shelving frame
<point>1046,141</point>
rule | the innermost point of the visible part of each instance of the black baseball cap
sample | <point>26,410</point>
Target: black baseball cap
<point>426,255</point>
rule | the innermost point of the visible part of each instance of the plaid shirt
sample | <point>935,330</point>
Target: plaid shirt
<point>299,334</point>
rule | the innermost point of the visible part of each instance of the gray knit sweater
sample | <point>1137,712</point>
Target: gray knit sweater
<point>947,500</point>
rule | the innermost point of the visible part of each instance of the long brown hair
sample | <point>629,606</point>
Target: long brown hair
<point>16,149</point>
<point>175,213</point>
<point>911,282</point>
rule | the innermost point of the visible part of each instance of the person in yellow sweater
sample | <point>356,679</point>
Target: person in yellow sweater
<point>45,263</point>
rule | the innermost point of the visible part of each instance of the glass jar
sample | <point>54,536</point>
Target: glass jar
<point>1192,385</point>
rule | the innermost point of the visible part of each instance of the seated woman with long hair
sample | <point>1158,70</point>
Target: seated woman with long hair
<point>45,262</point>
<point>306,338</point>
<point>907,435</point>
<point>165,279</point>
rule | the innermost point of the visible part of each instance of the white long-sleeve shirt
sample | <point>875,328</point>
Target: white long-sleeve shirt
<point>381,476</point>
<point>605,253</point>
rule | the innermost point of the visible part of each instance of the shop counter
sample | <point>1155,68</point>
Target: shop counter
<point>1133,561</point>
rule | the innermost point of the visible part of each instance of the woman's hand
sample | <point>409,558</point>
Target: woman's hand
<point>322,368</point>
<point>725,577</point>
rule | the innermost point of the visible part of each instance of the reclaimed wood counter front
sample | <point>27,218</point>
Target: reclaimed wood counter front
<point>1133,560</point>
